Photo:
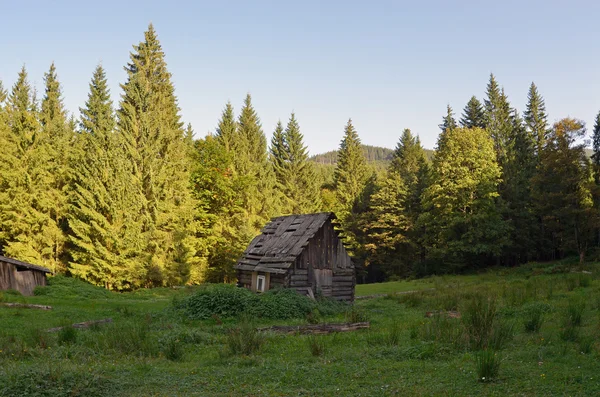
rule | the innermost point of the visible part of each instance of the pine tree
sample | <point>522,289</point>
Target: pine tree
<point>596,141</point>
<point>473,115</point>
<point>351,171</point>
<point>102,222</point>
<point>410,163</point>
<point>57,143</point>
<point>27,231</point>
<point>279,154</point>
<point>250,161</point>
<point>499,122</point>
<point>153,137</point>
<point>296,176</point>
<point>518,174</point>
<point>387,227</point>
<point>563,189</point>
<point>227,128</point>
<point>463,225</point>
<point>536,118</point>
<point>448,123</point>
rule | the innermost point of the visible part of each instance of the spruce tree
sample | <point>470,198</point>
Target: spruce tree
<point>250,161</point>
<point>56,142</point>
<point>27,229</point>
<point>153,137</point>
<point>296,176</point>
<point>596,141</point>
<point>448,123</point>
<point>227,129</point>
<point>536,118</point>
<point>351,172</point>
<point>410,163</point>
<point>473,115</point>
<point>563,188</point>
<point>499,122</point>
<point>103,226</point>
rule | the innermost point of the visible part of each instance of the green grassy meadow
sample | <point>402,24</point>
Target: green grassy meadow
<point>529,331</point>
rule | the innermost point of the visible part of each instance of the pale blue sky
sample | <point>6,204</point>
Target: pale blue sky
<point>388,65</point>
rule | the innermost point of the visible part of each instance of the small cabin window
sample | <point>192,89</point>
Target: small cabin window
<point>260,283</point>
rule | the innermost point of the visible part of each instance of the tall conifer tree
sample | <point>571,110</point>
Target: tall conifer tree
<point>102,214</point>
<point>536,118</point>
<point>296,176</point>
<point>153,136</point>
<point>473,115</point>
<point>227,128</point>
<point>351,171</point>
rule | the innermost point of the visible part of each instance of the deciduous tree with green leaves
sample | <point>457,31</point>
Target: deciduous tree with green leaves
<point>462,222</point>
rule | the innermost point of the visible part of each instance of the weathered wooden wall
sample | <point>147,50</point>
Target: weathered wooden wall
<point>21,280</point>
<point>325,266</point>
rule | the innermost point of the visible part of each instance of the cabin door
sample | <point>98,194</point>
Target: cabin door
<point>323,281</point>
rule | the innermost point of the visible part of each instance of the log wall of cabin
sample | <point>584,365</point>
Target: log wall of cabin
<point>19,279</point>
<point>326,258</point>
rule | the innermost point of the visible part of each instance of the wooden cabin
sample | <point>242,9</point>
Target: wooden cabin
<point>303,252</point>
<point>21,276</point>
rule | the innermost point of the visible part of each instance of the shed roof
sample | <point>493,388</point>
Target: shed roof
<point>24,265</point>
<point>281,242</point>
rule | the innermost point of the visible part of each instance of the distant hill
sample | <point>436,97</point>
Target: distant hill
<point>372,153</point>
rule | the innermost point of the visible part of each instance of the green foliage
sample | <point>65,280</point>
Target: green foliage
<point>461,218</point>
<point>473,115</point>
<point>350,173</point>
<point>295,175</point>
<point>487,365</point>
<point>228,301</point>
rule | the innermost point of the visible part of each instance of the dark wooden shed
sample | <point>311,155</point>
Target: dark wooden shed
<point>303,252</point>
<point>21,276</point>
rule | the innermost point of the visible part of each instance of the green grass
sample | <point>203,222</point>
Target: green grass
<point>152,349</point>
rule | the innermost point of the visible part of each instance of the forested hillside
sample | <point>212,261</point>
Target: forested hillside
<point>123,196</point>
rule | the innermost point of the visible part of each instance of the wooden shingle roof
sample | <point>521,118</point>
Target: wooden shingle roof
<point>24,265</point>
<point>281,242</point>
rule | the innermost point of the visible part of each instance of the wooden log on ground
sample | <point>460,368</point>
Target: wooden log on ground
<point>85,324</point>
<point>316,329</point>
<point>26,306</point>
<point>449,314</point>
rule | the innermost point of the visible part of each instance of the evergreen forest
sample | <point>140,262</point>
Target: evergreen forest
<point>125,196</point>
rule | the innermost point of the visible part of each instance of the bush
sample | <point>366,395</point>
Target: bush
<point>281,304</point>
<point>316,345</point>
<point>227,301</point>
<point>488,365</point>
<point>223,300</point>
<point>244,339</point>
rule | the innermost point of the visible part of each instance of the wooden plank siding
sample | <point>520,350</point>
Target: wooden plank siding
<point>302,252</point>
<point>21,276</point>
